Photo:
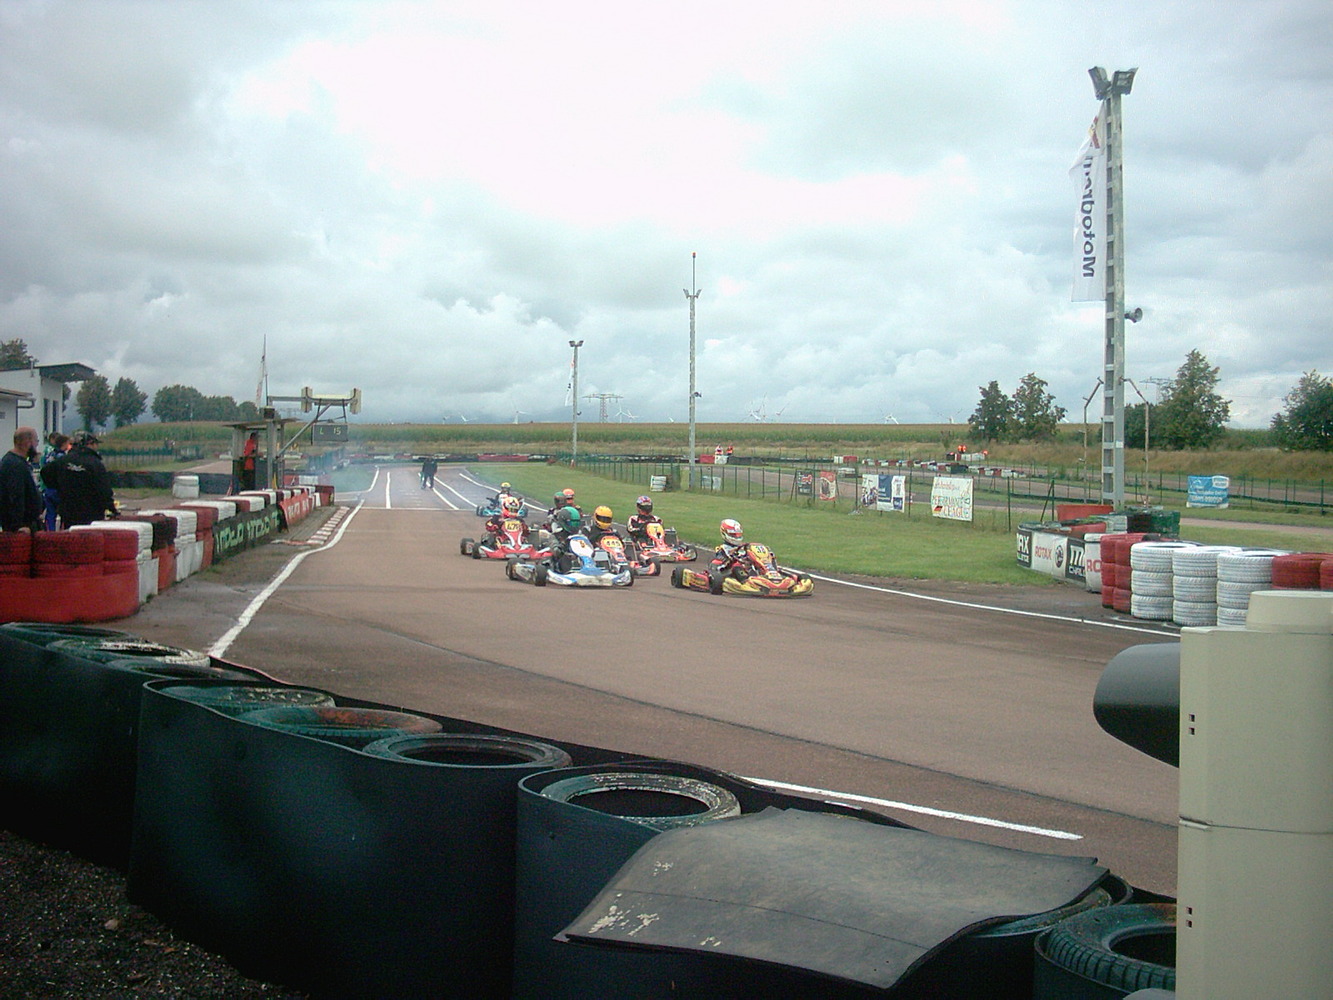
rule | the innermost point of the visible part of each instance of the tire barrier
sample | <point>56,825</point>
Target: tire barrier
<point>69,738</point>
<point>1296,571</point>
<point>336,871</point>
<point>351,727</point>
<point>236,700</point>
<point>1108,953</point>
<point>105,650</point>
<point>571,843</point>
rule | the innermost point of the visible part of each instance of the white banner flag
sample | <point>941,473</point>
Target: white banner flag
<point>1089,175</point>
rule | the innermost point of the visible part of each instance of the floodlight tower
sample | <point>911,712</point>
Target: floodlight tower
<point>693,296</point>
<point>1109,90</point>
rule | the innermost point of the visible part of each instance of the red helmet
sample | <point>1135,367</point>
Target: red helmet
<point>732,533</point>
<point>567,494</point>
<point>644,504</point>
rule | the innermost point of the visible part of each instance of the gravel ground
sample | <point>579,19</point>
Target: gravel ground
<point>67,932</point>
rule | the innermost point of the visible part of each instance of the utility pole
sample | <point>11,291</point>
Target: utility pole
<point>693,297</point>
<point>574,407</point>
<point>602,397</point>
<point>1109,91</point>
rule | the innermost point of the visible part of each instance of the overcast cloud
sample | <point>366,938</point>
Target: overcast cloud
<point>427,201</point>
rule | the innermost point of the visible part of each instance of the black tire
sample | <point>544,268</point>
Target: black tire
<point>1123,948</point>
<point>235,699</point>
<point>43,634</point>
<point>539,576</point>
<point>353,727</point>
<point>104,650</point>
<point>660,801</point>
<point>152,668</point>
<point>630,582</point>
<point>678,577</point>
<point>469,750</point>
<point>476,551</point>
<point>481,511</point>
<point>509,568</point>
<point>715,583</point>
<point>465,547</point>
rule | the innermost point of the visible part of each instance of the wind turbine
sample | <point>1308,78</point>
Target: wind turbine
<point>759,414</point>
<point>889,418</point>
<point>516,414</point>
<point>778,415</point>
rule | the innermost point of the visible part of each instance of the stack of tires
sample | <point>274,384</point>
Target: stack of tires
<point>15,553</point>
<point>206,515</point>
<point>1299,570</point>
<point>1107,953</point>
<point>1117,574</point>
<point>163,547</point>
<point>1152,579</point>
<point>142,534</point>
<point>1194,586</point>
<point>67,554</point>
<point>1239,574</point>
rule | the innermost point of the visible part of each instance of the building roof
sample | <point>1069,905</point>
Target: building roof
<point>71,372</point>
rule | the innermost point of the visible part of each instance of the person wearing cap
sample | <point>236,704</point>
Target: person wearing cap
<point>82,483</point>
<point>56,446</point>
<point>20,503</point>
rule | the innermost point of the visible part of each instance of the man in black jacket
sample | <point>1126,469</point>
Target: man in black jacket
<point>82,482</point>
<point>20,503</point>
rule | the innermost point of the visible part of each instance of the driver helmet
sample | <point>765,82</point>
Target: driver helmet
<point>568,495</point>
<point>511,506</point>
<point>567,520</point>
<point>644,505</point>
<point>557,502</point>
<point>732,533</point>
<point>601,518</point>
<point>506,488</point>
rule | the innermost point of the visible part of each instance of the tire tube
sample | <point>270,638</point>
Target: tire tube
<point>154,668</point>
<point>236,699</point>
<point>43,634</point>
<point>1102,947</point>
<point>352,727</point>
<point>678,576</point>
<point>709,801</point>
<point>469,750</point>
<point>539,576</point>
<point>130,648</point>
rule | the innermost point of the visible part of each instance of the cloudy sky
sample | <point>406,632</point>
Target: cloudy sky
<point>428,201</point>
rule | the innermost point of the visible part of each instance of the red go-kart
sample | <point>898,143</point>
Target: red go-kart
<point>512,541</point>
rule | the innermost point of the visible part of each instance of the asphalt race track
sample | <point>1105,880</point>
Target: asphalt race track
<point>964,710</point>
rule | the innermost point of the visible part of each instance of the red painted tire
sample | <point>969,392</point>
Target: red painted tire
<point>66,570</point>
<point>15,548</point>
<point>1299,571</point>
<point>120,566</point>
<point>115,544</point>
<point>1326,575</point>
<point>1122,600</point>
<point>69,547</point>
<point>208,516</point>
<point>16,569</point>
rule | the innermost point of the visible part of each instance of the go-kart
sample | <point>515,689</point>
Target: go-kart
<point>581,566</point>
<point>661,546</point>
<point>492,507</point>
<point>621,554</point>
<point>513,541</point>
<point>757,574</point>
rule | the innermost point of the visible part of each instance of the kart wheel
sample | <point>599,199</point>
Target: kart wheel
<point>629,582</point>
<point>509,568</point>
<point>465,547</point>
<point>539,576</point>
<point>678,577</point>
<point>715,583</point>
<point>476,551</point>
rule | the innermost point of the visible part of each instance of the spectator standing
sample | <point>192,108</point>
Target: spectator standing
<point>57,445</point>
<point>20,502</point>
<point>83,483</point>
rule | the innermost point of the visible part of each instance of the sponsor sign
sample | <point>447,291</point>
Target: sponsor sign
<point>897,493</point>
<point>951,497</point>
<point>243,531</point>
<point>1075,557</point>
<point>805,484</point>
<point>828,485</point>
<point>1025,547</point>
<point>870,491</point>
<point>1043,553</point>
<point>1208,491</point>
<point>1092,564</point>
<point>1089,176</point>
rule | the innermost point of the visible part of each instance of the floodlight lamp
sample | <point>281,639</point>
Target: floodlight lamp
<point>1101,86</point>
<point>1123,80</point>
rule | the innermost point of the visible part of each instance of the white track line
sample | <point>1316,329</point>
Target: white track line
<point>923,810</point>
<point>387,476</point>
<point>1068,619</point>
<point>220,647</point>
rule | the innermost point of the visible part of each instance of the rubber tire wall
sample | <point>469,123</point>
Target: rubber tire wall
<point>1091,956</point>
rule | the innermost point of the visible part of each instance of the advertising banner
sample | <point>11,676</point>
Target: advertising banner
<point>1075,560</point>
<point>1208,491</point>
<point>895,497</point>
<point>805,484</point>
<point>870,491</point>
<point>951,497</point>
<point>1025,547</point>
<point>1089,176</point>
<point>828,485</point>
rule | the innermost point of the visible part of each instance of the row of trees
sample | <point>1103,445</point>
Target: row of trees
<point>1190,413</point>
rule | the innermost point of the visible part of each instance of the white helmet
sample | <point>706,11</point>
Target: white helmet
<point>732,533</point>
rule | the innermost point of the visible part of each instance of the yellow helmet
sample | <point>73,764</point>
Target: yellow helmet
<point>601,517</point>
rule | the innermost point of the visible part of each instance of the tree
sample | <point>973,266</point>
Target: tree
<point>1307,422</point>
<point>1191,414</point>
<point>127,402</point>
<point>93,402</point>
<point>173,403</point>
<point>993,415</point>
<point>1136,423</point>
<point>14,354</point>
<point>1035,415</point>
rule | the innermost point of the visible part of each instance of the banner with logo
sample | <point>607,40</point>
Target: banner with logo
<point>870,491</point>
<point>1090,223</point>
<point>895,497</point>
<point>805,484</point>
<point>951,497</point>
<point>1208,491</point>
<point>828,485</point>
